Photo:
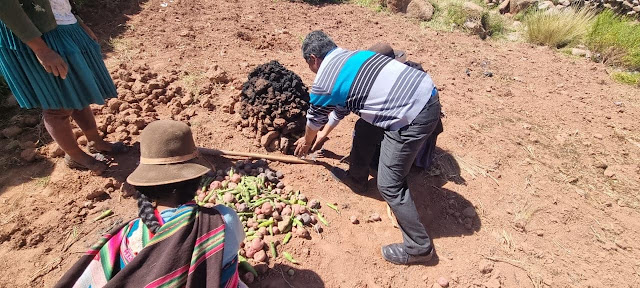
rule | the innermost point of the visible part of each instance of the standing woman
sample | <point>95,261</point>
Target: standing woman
<point>51,60</point>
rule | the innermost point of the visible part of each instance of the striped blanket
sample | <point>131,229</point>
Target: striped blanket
<point>185,252</point>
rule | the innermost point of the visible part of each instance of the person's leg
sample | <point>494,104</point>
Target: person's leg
<point>363,150</point>
<point>87,122</point>
<point>396,157</point>
<point>398,151</point>
<point>58,124</point>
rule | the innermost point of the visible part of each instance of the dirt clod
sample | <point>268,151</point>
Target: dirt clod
<point>28,154</point>
<point>375,217</point>
<point>486,266</point>
<point>443,282</point>
<point>469,212</point>
<point>11,132</point>
<point>354,219</point>
<point>260,256</point>
<point>274,101</point>
<point>248,277</point>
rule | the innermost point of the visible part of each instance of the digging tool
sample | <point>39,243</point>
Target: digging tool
<point>283,158</point>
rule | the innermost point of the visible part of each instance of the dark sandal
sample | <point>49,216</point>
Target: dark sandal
<point>102,160</point>
<point>116,148</point>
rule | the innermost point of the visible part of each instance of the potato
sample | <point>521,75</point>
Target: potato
<point>236,178</point>
<point>267,208</point>
<point>260,256</point>
<point>228,197</point>
<point>257,244</point>
<point>286,211</point>
<point>215,185</point>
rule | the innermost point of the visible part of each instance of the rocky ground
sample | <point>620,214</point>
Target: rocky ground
<point>537,181</point>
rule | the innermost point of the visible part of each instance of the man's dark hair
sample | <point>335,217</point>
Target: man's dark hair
<point>317,43</point>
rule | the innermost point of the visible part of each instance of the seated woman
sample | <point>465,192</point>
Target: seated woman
<point>174,242</point>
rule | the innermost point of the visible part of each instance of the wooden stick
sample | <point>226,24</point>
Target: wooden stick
<point>283,158</point>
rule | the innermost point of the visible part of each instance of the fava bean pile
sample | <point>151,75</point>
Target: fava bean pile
<point>271,212</point>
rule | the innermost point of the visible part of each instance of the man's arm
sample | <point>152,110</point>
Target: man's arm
<point>317,116</point>
<point>334,119</point>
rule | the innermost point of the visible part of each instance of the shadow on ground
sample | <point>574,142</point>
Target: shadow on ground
<point>108,19</point>
<point>278,277</point>
<point>444,212</point>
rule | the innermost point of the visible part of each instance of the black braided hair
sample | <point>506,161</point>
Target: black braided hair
<point>184,192</point>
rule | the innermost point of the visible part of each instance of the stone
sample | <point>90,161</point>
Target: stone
<point>114,105</point>
<point>375,217</point>
<point>520,5</point>
<point>443,282</point>
<point>10,102</point>
<point>186,100</point>
<point>609,172</point>
<point>217,75</point>
<point>545,5</point>
<point>305,219</point>
<point>279,123</point>
<point>398,6</point>
<point>420,9</point>
<point>493,283</point>
<point>266,139</point>
<point>284,145</point>
<point>469,212</point>
<point>29,120</point>
<point>27,144</point>
<point>564,3</point>
<point>28,154</point>
<point>260,256</point>
<point>637,8</point>
<point>248,277</point>
<point>12,145</point>
<point>580,52</point>
<point>82,140</point>
<point>598,136</point>
<point>486,266</point>
<point>55,151</point>
<point>11,132</point>
<point>354,219</point>
<point>473,7</point>
<point>504,6</point>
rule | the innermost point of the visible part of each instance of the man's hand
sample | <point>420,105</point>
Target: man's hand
<point>49,59</point>
<point>302,147</point>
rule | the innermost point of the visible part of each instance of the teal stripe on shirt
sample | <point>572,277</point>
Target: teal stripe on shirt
<point>343,84</point>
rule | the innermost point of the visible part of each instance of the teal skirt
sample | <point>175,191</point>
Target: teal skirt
<point>87,82</point>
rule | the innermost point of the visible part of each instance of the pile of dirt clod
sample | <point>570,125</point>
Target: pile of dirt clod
<point>274,103</point>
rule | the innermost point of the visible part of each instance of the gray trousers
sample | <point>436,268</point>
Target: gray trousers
<point>397,152</point>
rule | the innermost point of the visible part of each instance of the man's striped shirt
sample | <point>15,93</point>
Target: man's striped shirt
<point>381,90</point>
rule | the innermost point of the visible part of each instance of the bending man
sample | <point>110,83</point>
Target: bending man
<point>386,93</point>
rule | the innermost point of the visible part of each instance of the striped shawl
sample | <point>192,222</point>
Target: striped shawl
<point>185,252</point>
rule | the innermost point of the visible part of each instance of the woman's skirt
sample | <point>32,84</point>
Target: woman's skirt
<point>87,82</point>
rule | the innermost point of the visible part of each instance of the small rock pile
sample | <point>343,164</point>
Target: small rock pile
<point>140,91</point>
<point>19,136</point>
<point>419,9</point>
<point>273,106</point>
<point>622,7</point>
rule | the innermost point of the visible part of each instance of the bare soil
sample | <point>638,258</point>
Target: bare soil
<point>545,152</point>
